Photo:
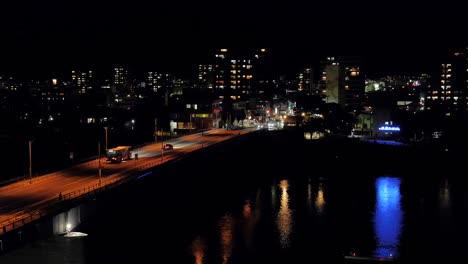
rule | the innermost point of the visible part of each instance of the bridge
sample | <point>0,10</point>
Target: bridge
<point>28,200</point>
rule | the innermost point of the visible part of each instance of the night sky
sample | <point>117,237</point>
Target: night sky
<point>50,39</point>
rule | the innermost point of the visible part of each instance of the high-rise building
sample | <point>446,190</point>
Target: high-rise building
<point>234,69</point>
<point>452,92</point>
<point>335,84</point>
<point>354,81</point>
<point>160,82</point>
<point>206,76</point>
<point>121,79</point>
<point>82,81</point>
<point>306,81</point>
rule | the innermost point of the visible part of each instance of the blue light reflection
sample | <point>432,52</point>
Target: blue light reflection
<point>388,216</point>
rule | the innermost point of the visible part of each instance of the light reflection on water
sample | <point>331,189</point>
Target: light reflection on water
<point>309,196</point>
<point>320,200</point>
<point>444,195</point>
<point>284,219</point>
<point>263,225</point>
<point>388,216</point>
<point>226,226</point>
<point>198,250</point>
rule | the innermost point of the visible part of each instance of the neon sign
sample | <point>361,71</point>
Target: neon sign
<point>390,128</point>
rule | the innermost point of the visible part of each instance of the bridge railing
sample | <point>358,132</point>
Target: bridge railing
<point>32,213</point>
<point>37,211</point>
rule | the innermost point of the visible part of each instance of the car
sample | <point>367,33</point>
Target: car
<point>168,147</point>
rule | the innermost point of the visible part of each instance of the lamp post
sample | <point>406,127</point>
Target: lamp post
<point>105,128</point>
<point>99,161</point>
<point>30,161</point>
<point>155,130</point>
<point>190,123</point>
<point>162,147</point>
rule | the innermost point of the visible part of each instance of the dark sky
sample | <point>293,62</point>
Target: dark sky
<point>50,39</point>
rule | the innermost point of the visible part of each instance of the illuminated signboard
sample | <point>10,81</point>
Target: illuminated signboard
<point>390,128</point>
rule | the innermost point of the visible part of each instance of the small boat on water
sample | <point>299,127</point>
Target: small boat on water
<point>353,258</point>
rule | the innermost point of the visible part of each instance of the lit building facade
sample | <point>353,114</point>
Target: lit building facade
<point>451,94</point>
<point>82,81</point>
<point>235,69</point>
<point>206,76</point>
<point>160,82</point>
<point>306,81</point>
<point>121,80</point>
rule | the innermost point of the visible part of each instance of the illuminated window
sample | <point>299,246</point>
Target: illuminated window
<point>188,106</point>
<point>224,50</point>
<point>263,50</point>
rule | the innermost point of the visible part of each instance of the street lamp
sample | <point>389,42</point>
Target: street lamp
<point>162,146</point>
<point>30,161</point>
<point>105,128</point>
<point>99,161</point>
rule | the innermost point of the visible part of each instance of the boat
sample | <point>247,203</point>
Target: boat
<point>353,258</point>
